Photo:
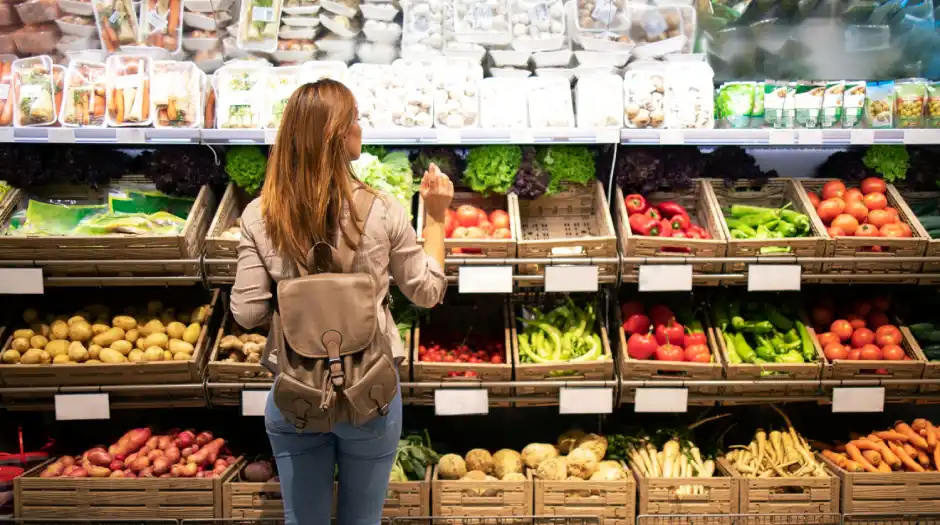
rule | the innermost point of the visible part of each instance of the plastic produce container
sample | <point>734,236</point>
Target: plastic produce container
<point>537,25</point>
<point>34,104</point>
<point>129,77</point>
<point>645,92</point>
<point>398,95</point>
<point>85,99</point>
<point>456,94</point>
<point>482,22</point>
<point>36,40</point>
<point>117,23</point>
<point>599,102</point>
<point>601,15</point>
<point>550,104</point>
<point>37,11</point>
<point>504,103</point>
<point>691,96</point>
<point>240,96</point>
<point>177,94</point>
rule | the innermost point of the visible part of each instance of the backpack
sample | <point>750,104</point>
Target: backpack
<point>333,363</point>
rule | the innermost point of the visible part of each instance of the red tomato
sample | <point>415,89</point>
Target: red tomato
<point>671,333</point>
<point>830,208</point>
<point>876,320</point>
<point>833,188</point>
<point>835,351</point>
<point>467,216</point>
<point>888,335</point>
<point>907,229</point>
<point>852,195</point>
<point>874,185</point>
<point>842,329</point>
<point>631,307</point>
<point>486,226</point>
<point>893,230</point>
<point>875,201</point>
<point>862,337</point>
<point>822,315</point>
<point>894,213</point>
<point>449,224</point>
<point>698,354</point>
<point>475,232</point>
<point>502,233</point>
<point>881,303</point>
<point>481,215</point>
<point>641,346</point>
<point>880,218</point>
<point>497,359</point>
<point>827,338</point>
<point>637,324</point>
<point>871,353</point>
<point>855,354</point>
<point>835,231</point>
<point>846,223</point>
<point>695,338</point>
<point>813,198</point>
<point>867,230</point>
<point>459,233</point>
<point>857,209</point>
<point>669,352</point>
<point>893,353</point>
<point>856,321</point>
<point>499,218</point>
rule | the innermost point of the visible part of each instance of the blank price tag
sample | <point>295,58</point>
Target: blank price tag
<point>521,136</point>
<point>673,400</point>
<point>586,401</point>
<point>862,136</point>
<point>773,277</point>
<point>671,137</point>
<point>921,136</point>
<point>20,281</point>
<point>130,135</point>
<point>61,135</point>
<point>608,136</point>
<point>810,137</point>
<point>270,136</point>
<point>461,402</point>
<point>448,136</point>
<point>665,278</point>
<point>76,407</point>
<point>571,278</point>
<point>859,399</point>
<point>253,402</point>
<point>484,279</point>
<point>781,136</point>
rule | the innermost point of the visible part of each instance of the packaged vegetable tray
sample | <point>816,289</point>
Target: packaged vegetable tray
<point>177,94</point>
<point>161,24</point>
<point>128,84</point>
<point>240,95</point>
<point>7,93</point>
<point>85,98</point>
<point>35,93</point>
<point>923,207</point>
<point>117,23</point>
<point>697,207</point>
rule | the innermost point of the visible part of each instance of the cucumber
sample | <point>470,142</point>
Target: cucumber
<point>928,337</point>
<point>933,234</point>
<point>931,348</point>
<point>922,327</point>
<point>931,222</point>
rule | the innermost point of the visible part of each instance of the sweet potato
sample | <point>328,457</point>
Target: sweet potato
<point>164,442</point>
<point>99,457</point>
<point>208,453</point>
<point>203,438</point>
<point>78,473</point>
<point>130,442</point>
<point>173,454</point>
<point>53,471</point>
<point>98,472</point>
<point>161,466</point>
<point>153,442</point>
<point>140,464</point>
<point>154,454</point>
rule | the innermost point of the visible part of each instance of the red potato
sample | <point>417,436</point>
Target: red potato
<point>189,470</point>
<point>185,439</point>
<point>220,462</point>
<point>200,474</point>
<point>173,454</point>
<point>146,473</point>
<point>153,442</point>
<point>164,442</point>
<point>98,472</point>
<point>129,474</point>
<point>66,460</point>
<point>119,457</point>
<point>220,469</point>
<point>68,470</point>
<point>99,457</point>
<point>117,474</point>
<point>140,464</point>
<point>154,454</point>
<point>176,471</point>
<point>161,466</point>
<point>189,451</point>
<point>78,473</point>
<point>53,471</point>
<point>116,464</point>
<point>204,438</point>
<point>130,459</point>
<point>145,450</point>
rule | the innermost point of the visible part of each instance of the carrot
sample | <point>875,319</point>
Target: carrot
<point>931,436</point>
<point>119,117</point>
<point>174,19</point>
<point>110,38</point>
<point>146,104</point>
<point>905,458</point>
<point>919,424</point>
<point>857,456</point>
<point>112,104</point>
<point>884,467</point>
<point>923,458</point>
<point>936,458</point>
<point>911,451</point>
<point>6,116</point>
<point>891,435</point>
<point>912,436</point>
<point>873,457</point>
<point>210,110</point>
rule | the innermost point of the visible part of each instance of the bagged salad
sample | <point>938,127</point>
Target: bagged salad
<point>735,104</point>
<point>35,92</point>
<point>161,24</point>
<point>128,81</point>
<point>853,103</point>
<point>808,103</point>
<point>831,115</point>
<point>85,95</point>
<point>779,104</point>
<point>177,94</point>
<point>240,96</point>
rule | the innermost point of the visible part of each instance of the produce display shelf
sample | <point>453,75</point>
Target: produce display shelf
<point>778,137</point>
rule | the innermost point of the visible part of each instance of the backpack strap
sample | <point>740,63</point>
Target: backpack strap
<point>362,204</point>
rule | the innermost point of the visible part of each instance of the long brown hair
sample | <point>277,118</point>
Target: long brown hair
<point>309,178</point>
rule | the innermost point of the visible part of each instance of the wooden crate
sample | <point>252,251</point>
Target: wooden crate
<point>658,495</point>
<point>406,499</point>
<point>464,499</point>
<point>913,369</point>
<point>775,193</point>
<point>119,499</point>
<point>809,495</point>
<point>572,372</point>
<point>931,368</point>
<point>856,246</point>
<point>702,211</point>
<point>155,372</point>
<point>488,248</point>
<point>230,209</point>
<point>933,245</point>
<point>151,250</point>
<point>573,223</point>
<point>219,371</point>
<point>613,502</point>
<point>458,313</point>
<point>894,493</point>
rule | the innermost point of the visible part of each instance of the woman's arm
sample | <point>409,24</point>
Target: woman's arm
<point>437,191</point>
<point>251,294</point>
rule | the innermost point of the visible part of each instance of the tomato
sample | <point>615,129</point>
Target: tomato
<point>475,232</point>
<point>641,346</point>
<point>631,307</point>
<point>637,324</point>
<point>875,201</point>
<point>486,226</point>
<point>846,222</point>
<point>502,233</point>
<point>852,195</point>
<point>888,335</point>
<point>855,354</point>
<point>497,359</point>
<point>842,329</point>
<point>660,314</point>
<point>879,218</point>
<point>833,188</point>
<point>892,230</point>
<point>669,352</point>
<point>876,320</point>
<point>835,351</point>
<point>894,213</point>
<point>499,218</point>
<point>826,338</point>
<point>813,198</point>
<point>881,303</point>
<point>449,224</point>
<point>459,233</point>
<point>871,353</point>
<point>822,315</point>
<point>874,185</point>
<point>835,231</point>
<point>830,208</point>
<point>907,229</point>
<point>698,354</point>
<point>481,215</point>
<point>862,337</point>
<point>671,333</point>
<point>856,321</point>
<point>867,230</point>
<point>893,353</point>
<point>467,216</point>
<point>857,209</point>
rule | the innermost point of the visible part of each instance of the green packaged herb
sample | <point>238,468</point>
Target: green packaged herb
<point>808,102</point>
<point>775,95</point>
<point>735,103</point>
<point>910,95</point>
<point>879,104</point>
<point>853,103</point>
<point>933,105</point>
<point>831,115</point>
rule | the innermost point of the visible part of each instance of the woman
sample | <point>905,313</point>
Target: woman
<point>308,186</point>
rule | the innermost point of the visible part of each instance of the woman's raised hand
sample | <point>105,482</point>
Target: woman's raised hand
<point>437,191</point>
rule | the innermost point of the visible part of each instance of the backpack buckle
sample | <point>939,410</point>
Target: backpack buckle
<point>383,410</point>
<point>337,375</point>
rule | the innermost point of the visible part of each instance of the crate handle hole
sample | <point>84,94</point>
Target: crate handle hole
<point>567,251</point>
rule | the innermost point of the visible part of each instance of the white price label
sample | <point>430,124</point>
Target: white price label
<point>858,399</point>
<point>672,400</point>
<point>77,407</point>
<point>448,136</point>
<point>60,135</point>
<point>921,136</point>
<point>671,137</point>
<point>781,136</point>
<point>270,136</point>
<point>31,90</point>
<point>608,136</point>
<point>157,21</point>
<point>484,279</point>
<point>773,277</point>
<point>18,281</point>
<point>521,136</point>
<point>571,278</point>
<point>862,136</point>
<point>665,278</point>
<point>262,14</point>
<point>461,402</point>
<point>811,137</point>
<point>253,402</point>
<point>586,401</point>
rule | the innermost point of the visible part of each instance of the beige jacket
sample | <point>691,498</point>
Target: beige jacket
<point>389,246</point>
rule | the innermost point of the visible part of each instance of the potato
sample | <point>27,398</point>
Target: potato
<point>177,346</point>
<point>77,352</point>
<point>44,357</point>
<point>167,355</point>
<point>41,329</point>
<point>93,362</point>
<point>253,358</point>
<point>168,316</point>
<point>94,351</point>
<point>99,328</point>
<point>122,346</point>
<point>57,347</point>
<point>200,314</point>
<point>157,339</point>
<point>154,308</point>
<point>135,356</point>
<point>182,356</point>
<point>30,357</point>
<point>108,337</point>
<point>153,326</point>
<point>30,315</point>
<point>38,341</point>
<point>108,355</point>
<point>24,333</point>
<point>154,353</point>
<point>255,338</point>
<point>21,344</point>
<point>80,331</point>
<point>77,319</point>
<point>191,335</point>
<point>132,335</point>
<point>60,330</point>
<point>124,322</point>
<point>140,344</point>
<point>230,342</point>
<point>175,329</point>
<point>61,360</point>
<point>10,357</point>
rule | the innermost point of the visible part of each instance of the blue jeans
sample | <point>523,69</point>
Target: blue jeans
<point>306,462</point>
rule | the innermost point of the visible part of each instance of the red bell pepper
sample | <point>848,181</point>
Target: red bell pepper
<point>665,229</point>
<point>644,225</point>
<point>635,203</point>
<point>679,222</point>
<point>670,209</point>
<point>653,213</point>
<point>698,230</point>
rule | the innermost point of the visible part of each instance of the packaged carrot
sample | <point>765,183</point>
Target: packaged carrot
<point>128,88</point>
<point>161,24</point>
<point>85,95</point>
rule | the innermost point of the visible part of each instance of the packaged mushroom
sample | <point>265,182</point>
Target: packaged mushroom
<point>399,95</point>
<point>482,21</point>
<point>240,96</point>
<point>35,96</point>
<point>537,25</point>
<point>690,92</point>
<point>85,100</point>
<point>661,30</point>
<point>602,15</point>
<point>422,27</point>
<point>550,102</point>
<point>503,103</point>
<point>456,95</point>
<point>645,95</point>
<point>599,102</point>
<point>128,81</point>
<point>177,94</point>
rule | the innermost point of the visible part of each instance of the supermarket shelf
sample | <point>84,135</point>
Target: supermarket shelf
<point>779,137</point>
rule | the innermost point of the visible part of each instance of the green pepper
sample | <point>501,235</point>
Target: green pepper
<point>765,349</point>
<point>799,221</point>
<point>777,319</point>
<point>790,357</point>
<point>721,317</point>
<point>756,219</point>
<point>786,229</point>
<point>740,210</point>
<point>808,349</point>
<point>744,350</point>
<point>757,327</point>
<point>733,356</point>
<point>738,234</point>
<point>767,250</point>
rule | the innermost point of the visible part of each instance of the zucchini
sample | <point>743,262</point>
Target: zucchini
<point>931,222</point>
<point>921,327</point>
<point>933,234</point>
<point>928,337</point>
<point>931,348</point>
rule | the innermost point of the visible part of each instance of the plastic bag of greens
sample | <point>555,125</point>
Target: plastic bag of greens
<point>52,218</point>
<point>148,201</point>
<point>735,103</point>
